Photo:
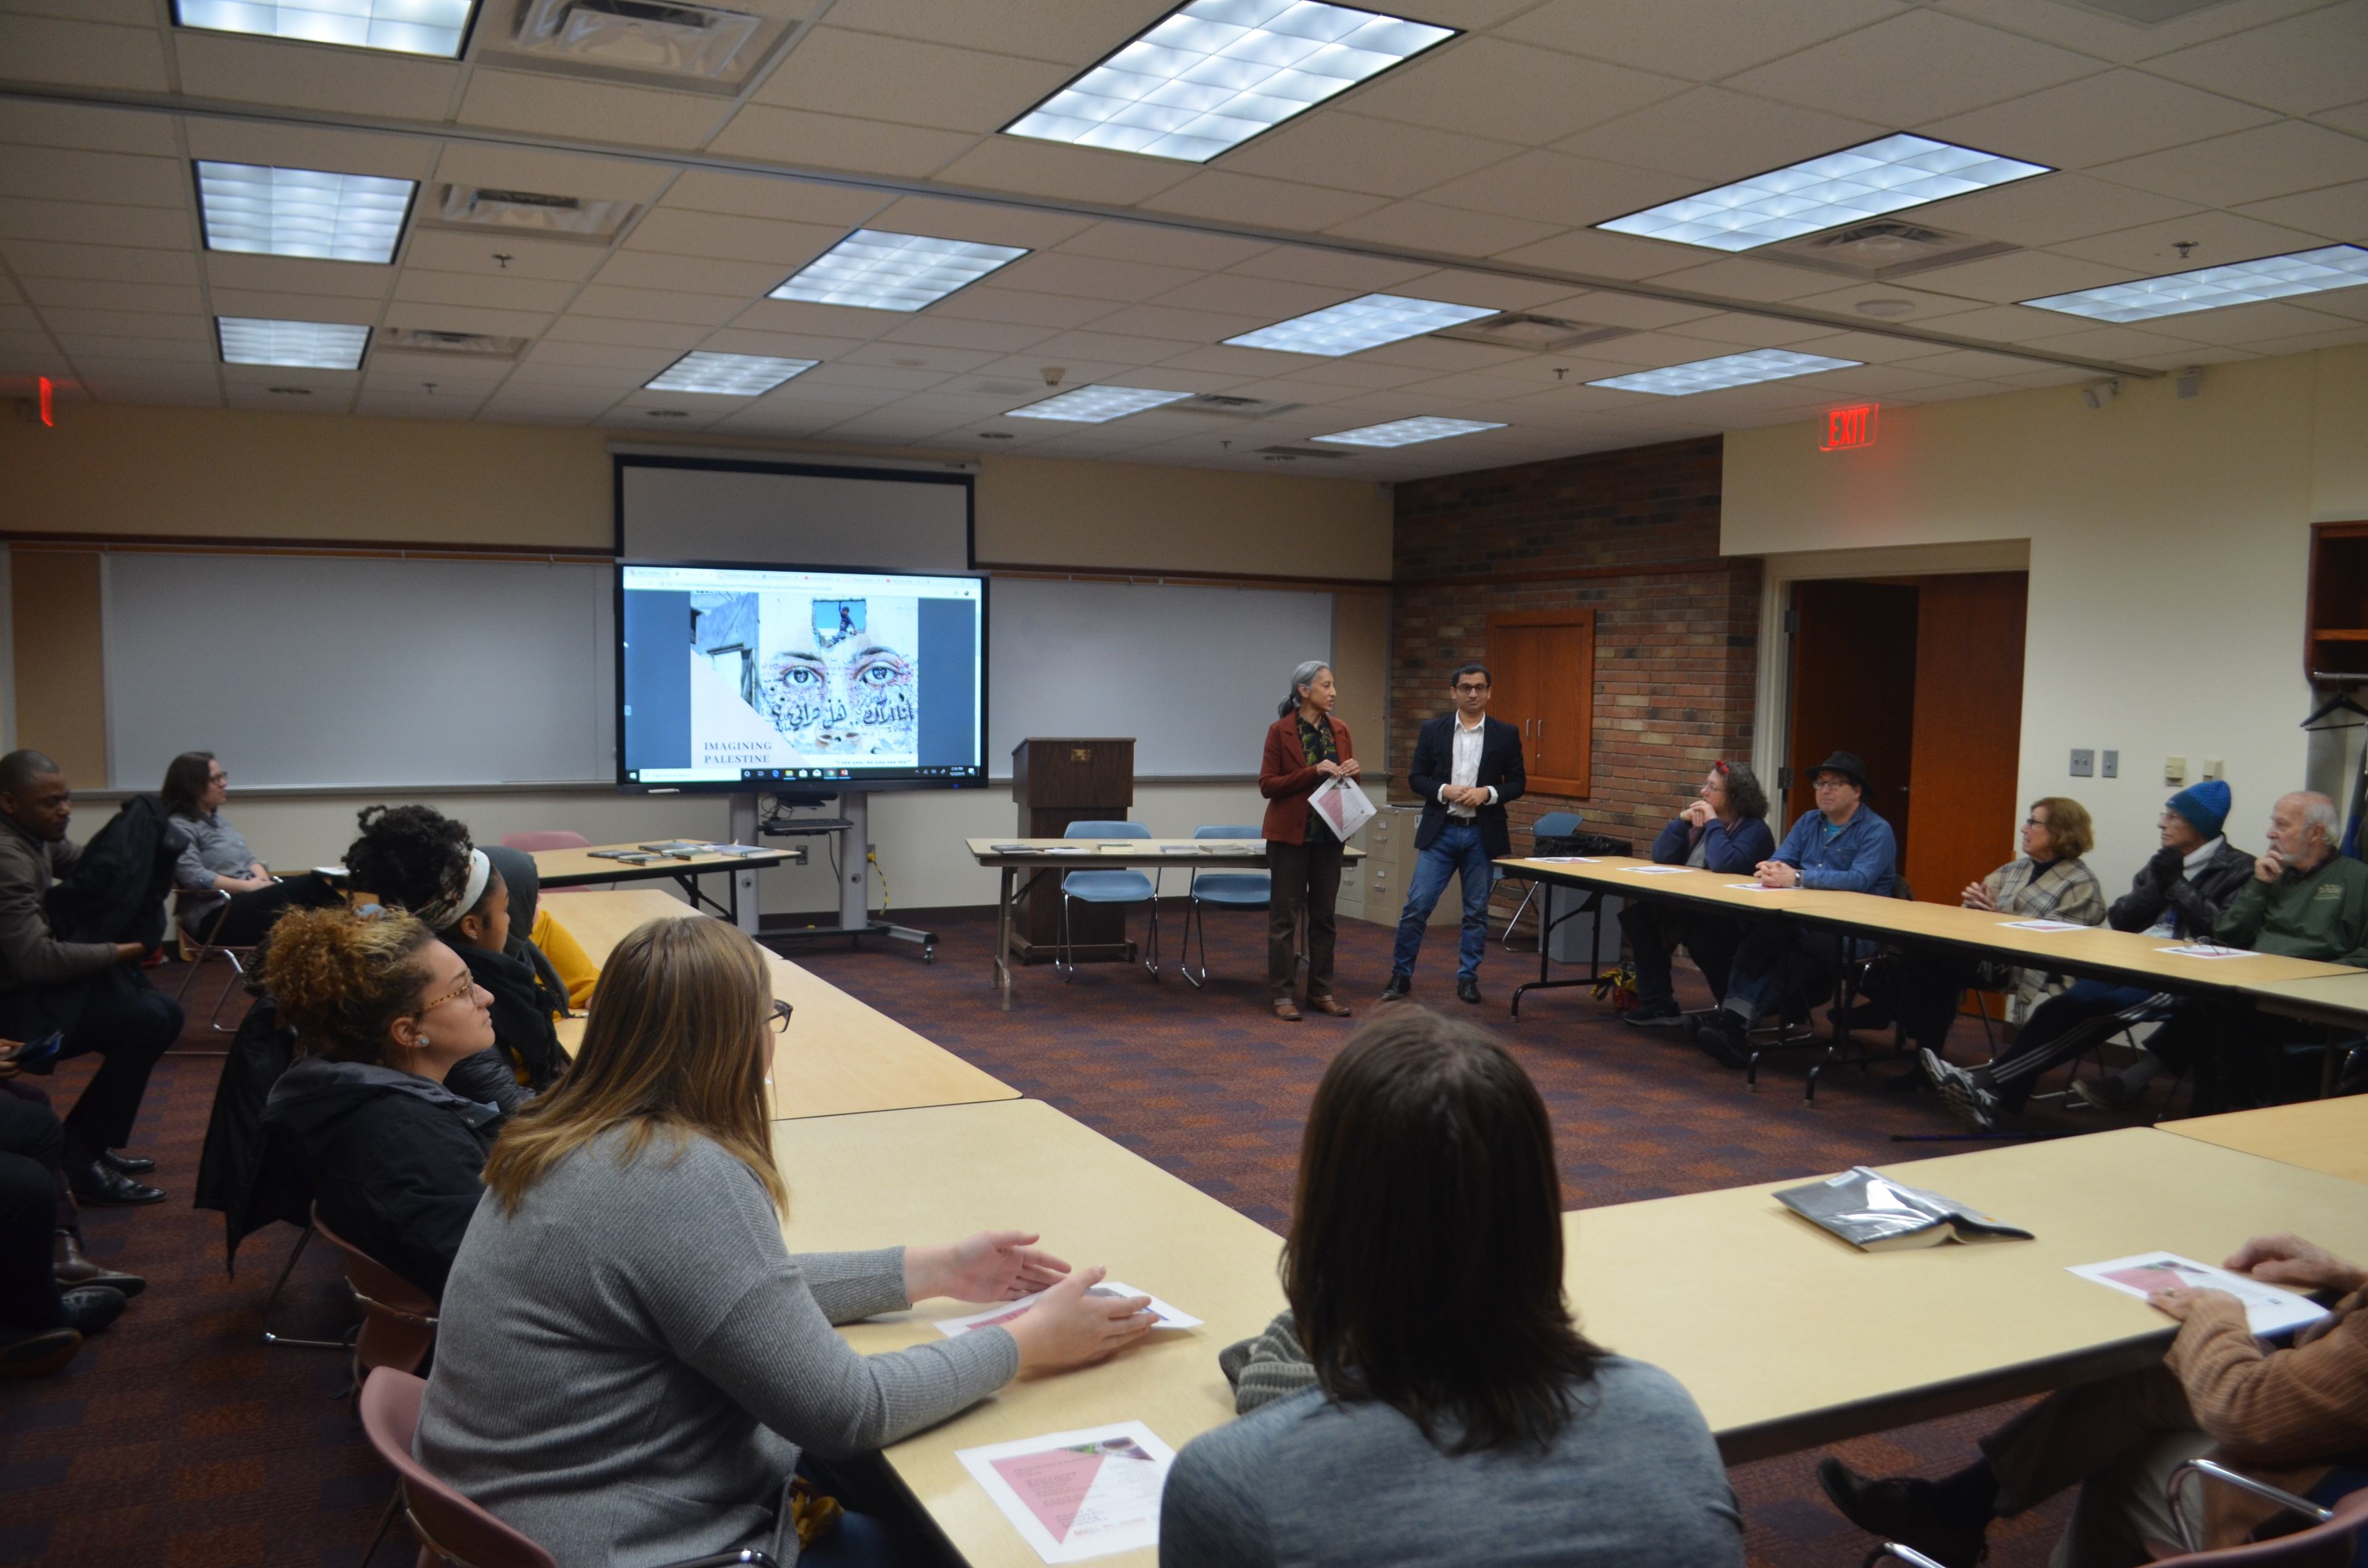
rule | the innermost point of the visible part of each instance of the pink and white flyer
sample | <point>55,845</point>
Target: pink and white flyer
<point>1076,1495</point>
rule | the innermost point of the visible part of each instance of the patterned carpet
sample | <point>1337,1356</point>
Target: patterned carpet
<point>178,1438</point>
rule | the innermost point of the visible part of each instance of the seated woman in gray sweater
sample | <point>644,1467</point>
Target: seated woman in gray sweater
<point>630,1361</point>
<point>1454,1412</point>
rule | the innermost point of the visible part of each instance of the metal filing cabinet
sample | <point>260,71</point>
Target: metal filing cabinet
<point>1375,889</point>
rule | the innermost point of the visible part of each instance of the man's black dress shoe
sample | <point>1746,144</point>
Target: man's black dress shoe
<point>1467,989</point>
<point>90,1308</point>
<point>103,1187</point>
<point>1396,990</point>
<point>130,1165</point>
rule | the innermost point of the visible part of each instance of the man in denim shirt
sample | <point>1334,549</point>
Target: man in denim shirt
<point>1840,847</point>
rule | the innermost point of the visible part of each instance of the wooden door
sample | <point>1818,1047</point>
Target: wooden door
<point>1853,688</point>
<point>1968,732</point>
<point>1543,665</point>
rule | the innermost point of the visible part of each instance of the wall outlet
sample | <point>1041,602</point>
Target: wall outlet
<point>2174,771</point>
<point>2111,767</point>
<point>2084,763</point>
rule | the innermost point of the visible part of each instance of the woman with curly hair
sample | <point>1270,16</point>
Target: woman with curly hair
<point>418,858</point>
<point>383,1011</point>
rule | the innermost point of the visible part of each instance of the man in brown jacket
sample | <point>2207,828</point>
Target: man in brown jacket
<point>69,987</point>
<point>2295,1417</point>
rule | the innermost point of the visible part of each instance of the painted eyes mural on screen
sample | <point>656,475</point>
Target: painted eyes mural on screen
<point>838,678</point>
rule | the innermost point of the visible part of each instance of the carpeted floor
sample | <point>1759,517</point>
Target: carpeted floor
<point>178,1438</point>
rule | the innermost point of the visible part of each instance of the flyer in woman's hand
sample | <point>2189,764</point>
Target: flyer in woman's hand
<point>2268,1309</point>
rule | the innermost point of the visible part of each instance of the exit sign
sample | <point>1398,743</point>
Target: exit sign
<point>1848,427</point>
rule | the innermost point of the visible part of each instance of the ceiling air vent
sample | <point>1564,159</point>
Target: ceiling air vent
<point>1286,454</point>
<point>1219,406</point>
<point>698,48</point>
<point>1885,248</point>
<point>477,345</point>
<point>532,212</point>
<point>2146,13</point>
<point>1537,334</point>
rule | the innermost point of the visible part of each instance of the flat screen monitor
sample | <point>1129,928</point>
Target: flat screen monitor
<point>759,678</point>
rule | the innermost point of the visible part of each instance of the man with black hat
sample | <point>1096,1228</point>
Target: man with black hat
<point>1842,846</point>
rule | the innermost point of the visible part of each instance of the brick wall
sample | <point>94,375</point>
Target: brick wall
<point>1632,535</point>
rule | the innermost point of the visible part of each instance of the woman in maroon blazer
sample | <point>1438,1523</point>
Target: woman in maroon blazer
<point>1304,746</point>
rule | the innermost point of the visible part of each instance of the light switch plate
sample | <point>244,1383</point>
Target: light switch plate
<point>2112,768</point>
<point>2174,770</point>
<point>2084,763</point>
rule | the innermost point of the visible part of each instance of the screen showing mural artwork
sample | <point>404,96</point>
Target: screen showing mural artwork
<point>751,678</point>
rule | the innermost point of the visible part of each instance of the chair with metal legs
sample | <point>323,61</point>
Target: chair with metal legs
<point>1226,890</point>
<point>1121,887</point>
<point>1554,825</point>
<point>196,949</point>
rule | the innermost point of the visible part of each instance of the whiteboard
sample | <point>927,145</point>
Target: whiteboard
<point>718,511</point>
<point>1193,674</point>
<point>337,670</point>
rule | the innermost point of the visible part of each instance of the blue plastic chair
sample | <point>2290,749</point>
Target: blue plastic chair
<point>1226,890</point>
<point>1127,886</point>
<point>1554,825</point>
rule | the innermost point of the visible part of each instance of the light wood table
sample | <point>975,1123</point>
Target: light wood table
<point>2317,1135</point>
<point>2340,998</point>
<point>581,868</point>
<point>1154,855</point>
<point>1790,1338</point>
<point>936,1175</point>
<point>840,1056</point>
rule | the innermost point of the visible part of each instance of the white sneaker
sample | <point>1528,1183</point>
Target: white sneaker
<point>1974,1105</point>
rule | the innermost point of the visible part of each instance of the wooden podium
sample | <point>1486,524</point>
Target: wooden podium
<point>1057,782</point>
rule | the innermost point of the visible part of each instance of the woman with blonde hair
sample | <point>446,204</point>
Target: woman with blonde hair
<point>631,1362</point>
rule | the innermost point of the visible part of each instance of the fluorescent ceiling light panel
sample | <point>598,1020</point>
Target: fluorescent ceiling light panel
<point>1093,405</point>
<point>1358,325</point>
<point>311,212</point>
<point>313,344</point>
<point>1406,432</point>
<point>405,27</point>
<point>1726,370</point>
<point>880,271</point>
<point>1215,73</point>
<point>2212,287</point>
<point>727,375</point>
<point>1887,175</point>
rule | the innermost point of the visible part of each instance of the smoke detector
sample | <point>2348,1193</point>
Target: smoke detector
<point>1885,248</point>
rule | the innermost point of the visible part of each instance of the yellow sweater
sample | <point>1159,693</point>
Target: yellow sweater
<point>566,955</point>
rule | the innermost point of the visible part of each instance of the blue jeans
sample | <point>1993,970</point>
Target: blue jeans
<point>1457,851</point>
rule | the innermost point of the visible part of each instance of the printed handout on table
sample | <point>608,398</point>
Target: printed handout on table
<point>1169,1317</point>
<point>2208,950</point>
<point>1074,1496</point>
<point>2268,1309</point>
<point>2043,926</point>
<point>1656,870</point>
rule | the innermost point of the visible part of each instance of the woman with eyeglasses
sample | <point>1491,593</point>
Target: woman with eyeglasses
<point>223,893</point>
<point>381,1010</point>
<point>632,1365</point>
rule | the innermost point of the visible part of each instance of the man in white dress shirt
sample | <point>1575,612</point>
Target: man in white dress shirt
<point>1466,768</point>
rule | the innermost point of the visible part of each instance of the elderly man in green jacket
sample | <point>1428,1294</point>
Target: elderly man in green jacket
<point>2306,900</point>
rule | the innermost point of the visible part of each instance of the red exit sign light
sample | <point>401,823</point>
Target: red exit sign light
<point>1848,427</point>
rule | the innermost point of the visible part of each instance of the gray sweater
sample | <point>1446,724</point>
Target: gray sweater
<point>1634,1481</point>
<point>628,1366</point>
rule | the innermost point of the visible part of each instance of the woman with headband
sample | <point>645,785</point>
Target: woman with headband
<point>421,861</point>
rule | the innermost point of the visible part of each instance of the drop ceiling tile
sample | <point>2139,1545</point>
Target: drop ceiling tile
<point>937,329</point>
<point>843,374</point>
<point>1028,370</point>
<point>1355,374</point>
<point>466,318</point>
<point>497,290</point>
<point>909,82</point>
<point>519,100</point>
<point>552,174</point>
<point>834,141</point>
<point>369,404</point>
<point>2023,275</point>
<point>1180,326</point>
<point>2351,335</point>
<point>583,381</point>
<point>1245,199</point>
<point>58,173</point>
<point>2250,166</point>
<point>1332,270</point>
<point>1063,272</point>
<point>1969,363</point>
<point>701,275</point>
<point>556,354</point>
<point>144,326</point>
<point>1592,253</point>
<point>2334,212</point>
<point>296,275</point>
<point>1353,151</point>
<point>1233,293</point>
<point>1743,277</point>
<point>657,304</point>
<point>1713,136</point>
<point>1756,331</point>
<point>167,395</point>
<point>120,264</point>
<point>1079,173</point>
<point>2304,63</point>
<point>1507,92</point>
<point>1446,355</point>
<point>2353,119</point>
<point>83,54</point>
<point>917,356</point>
<point>1018,307</point>
<point>306,147</point>
<point>474,252</point>
<point>88,223</point>
<point>2220,238</point>
<point>1109,347</point>
<point>1914,68</point>
<point>978,221</point>
<point>2099,119</point>
<point>276,305</point>
<point>1041,30</point>
<point>97,346</point>
<point>88,129</point>
<point>1163,244</point>
<point>97,367</point>
<point>1699,39</point>
<point>1245,363</point>
<point>786,246</point>
<point>1651,350</point>
<point>2003,323</point>
<point>784,200</point>
<point>2100,343</point>
<point>1462,286</point>
<point>1452,231</point>
<point>1604,308</point>
<point>2049,209</point>
<point>826,320</point>
<point>172,298</point>
<point>218,65</point>
<point>19,318</point>
<point>2243,325</point>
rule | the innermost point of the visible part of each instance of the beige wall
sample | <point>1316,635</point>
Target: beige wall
<point>2168,545</point>
<point>201,473</point>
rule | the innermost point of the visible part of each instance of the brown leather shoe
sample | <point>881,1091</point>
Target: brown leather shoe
<point>1327,1006</point>
<point>1285,1010</point>
<point>71,1266</point>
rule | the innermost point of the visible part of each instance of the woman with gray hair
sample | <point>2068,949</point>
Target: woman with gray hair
<point>1304,746</point>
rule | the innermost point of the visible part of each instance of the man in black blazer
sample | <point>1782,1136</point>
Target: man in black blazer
<point>1467,766</point>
